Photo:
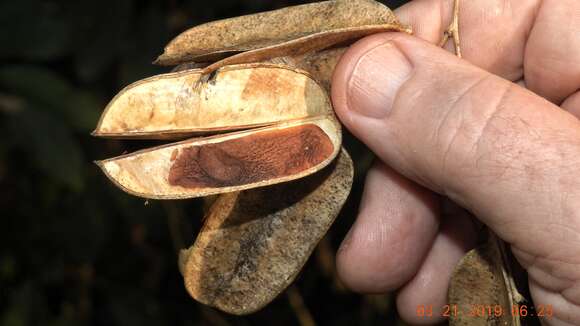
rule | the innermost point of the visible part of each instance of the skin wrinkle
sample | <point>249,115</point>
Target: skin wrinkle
<point>543,277</point>
<point>567,209</point>
<point>543,273</point>
<point>558,299</point>
<point>547,280</point>
<point>494,116</point>
<point>531,168</point>
<point>453,107</point>
<point>385,234</point>
<point>489,122</point>
<point>405,99</point>
<point>396,98</point>
<point>550,194</point>
<point>570,296</point>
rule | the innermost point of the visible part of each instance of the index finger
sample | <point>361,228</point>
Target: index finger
<point>533,40</point>
<point>493,32</point>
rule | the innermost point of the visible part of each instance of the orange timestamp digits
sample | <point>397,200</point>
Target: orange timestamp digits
<point>485,311</point>
<point>427,311</point>
<point>542,311</point>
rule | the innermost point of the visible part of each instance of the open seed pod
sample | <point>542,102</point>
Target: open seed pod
<point>297,135</point>
<point>256,88</point>
<point>283,129</point>
<point>236,97</point>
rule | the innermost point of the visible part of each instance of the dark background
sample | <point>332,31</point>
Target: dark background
<point>75,250</point>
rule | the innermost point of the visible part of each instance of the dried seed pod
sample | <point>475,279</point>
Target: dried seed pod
<point>320,64</point>
<point>255,242</point>
<point>305,45</point>
<point>229,162</point>
<point>284,27</point>
<point>483,289</point>
<point>235,97</point>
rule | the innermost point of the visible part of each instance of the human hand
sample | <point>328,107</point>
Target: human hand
<point>471,131</point>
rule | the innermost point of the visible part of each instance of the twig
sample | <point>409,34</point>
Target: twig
<point>453,31</point>
<point>300,309</point>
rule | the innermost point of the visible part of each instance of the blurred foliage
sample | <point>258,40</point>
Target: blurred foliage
<point>74,250</point>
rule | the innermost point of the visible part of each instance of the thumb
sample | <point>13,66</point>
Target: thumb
<point>497,149</point>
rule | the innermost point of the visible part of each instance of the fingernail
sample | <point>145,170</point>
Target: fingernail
<point>376,79</point>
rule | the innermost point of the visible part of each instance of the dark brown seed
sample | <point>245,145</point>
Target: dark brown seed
<point>266,155</point>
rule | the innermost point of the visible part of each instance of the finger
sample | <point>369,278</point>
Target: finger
<point>552,58</point>
<point>564,312</point>
<point>572,104</point>
<point>395,228</point>
<point>429,287</point>
<point>493,32</point>
<point>511,38</point>
<point>504,153</point>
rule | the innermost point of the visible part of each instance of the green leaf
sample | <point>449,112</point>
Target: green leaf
<point>49,144</point>
<point>50,92</point>
<point>36,30</point>
<point>82,110</point>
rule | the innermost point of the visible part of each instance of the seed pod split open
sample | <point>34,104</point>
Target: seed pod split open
<point>276,171</point>
<point>235,97</point>
<point>284,143</point>
<point>255,242</point>
<point>226,163</point>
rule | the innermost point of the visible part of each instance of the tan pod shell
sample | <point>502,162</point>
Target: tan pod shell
<point>287,27</point>
<point>482,291</point>
<point>235,97</point>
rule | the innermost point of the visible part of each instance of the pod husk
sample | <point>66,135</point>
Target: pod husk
<point>219,39</point>
<point>188,102</point>
<point>148,173</point>
<point>320,65</point>
<point>305,45</point>
<point>255,242</point>
<point>485,278</point>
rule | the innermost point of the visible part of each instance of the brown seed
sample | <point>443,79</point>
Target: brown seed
<point>255,242</point>
<point>263,156</point>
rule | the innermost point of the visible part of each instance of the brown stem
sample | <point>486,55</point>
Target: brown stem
<point>453,31</point>
<point>300,309</point>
